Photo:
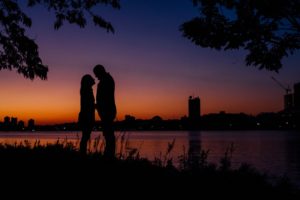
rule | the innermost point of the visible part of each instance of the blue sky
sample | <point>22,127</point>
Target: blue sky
<point>154,67</point>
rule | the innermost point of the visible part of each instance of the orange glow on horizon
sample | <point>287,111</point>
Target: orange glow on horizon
<point>57,101</point>
<point>155,69</point>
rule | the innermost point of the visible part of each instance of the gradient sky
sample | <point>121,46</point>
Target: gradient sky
<point>154,67</point>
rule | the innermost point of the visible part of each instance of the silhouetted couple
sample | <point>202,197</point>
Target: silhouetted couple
<point>105,106</point>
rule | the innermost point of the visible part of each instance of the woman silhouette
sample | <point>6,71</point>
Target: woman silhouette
<point>86,117</point>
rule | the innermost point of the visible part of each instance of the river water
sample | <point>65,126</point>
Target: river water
<point>274,152</point>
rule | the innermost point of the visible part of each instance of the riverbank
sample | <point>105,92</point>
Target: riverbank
<point>60,165</point>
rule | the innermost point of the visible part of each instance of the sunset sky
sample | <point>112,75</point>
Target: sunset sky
<point>154,67</point>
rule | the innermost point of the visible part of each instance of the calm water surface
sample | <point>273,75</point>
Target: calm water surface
<point>275,152</point>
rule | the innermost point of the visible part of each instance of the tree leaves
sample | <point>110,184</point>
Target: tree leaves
<point>268,30</point>
<point>103,24</point>
<point>19,52</point>
<point>77,11</point>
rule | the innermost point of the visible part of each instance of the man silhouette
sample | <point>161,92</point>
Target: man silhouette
<point>106,107</point>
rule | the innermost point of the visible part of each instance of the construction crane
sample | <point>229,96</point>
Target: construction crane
<point>287,89</point>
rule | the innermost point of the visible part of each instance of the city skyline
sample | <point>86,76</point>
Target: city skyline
<point>154,67</point>
<point>193,114</point>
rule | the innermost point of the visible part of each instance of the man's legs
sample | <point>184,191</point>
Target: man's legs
<point>110,139</point>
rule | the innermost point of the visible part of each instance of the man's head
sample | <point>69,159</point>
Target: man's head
<point>99,71</point>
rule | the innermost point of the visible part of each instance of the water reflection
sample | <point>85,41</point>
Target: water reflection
<point>292,155</point>
<point>276,152</point>
<point>194,147</point>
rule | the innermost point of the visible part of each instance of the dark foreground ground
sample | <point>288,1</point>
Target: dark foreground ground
<point>59,171</point>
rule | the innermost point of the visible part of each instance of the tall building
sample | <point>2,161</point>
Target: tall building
<point>21,125</point>
<point>6,124</point>
<point>297,96</point>
<point>297,105</point>
<point>288,101</point>
<point>194,108</point>
<point>6,121</point>
<point>14,122</point>
<point>31,125</point>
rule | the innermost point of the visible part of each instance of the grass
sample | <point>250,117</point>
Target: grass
<point>60,165</point>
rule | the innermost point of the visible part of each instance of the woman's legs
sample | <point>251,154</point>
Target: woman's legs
<point>86,134</point>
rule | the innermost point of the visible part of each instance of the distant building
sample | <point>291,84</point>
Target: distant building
<point>297,96</point>
<point>31,125</point>
<point>129,118</point>
<point>129,122</point>
<point>6,124</point>
<point>14,122</point>
<point>21,125</point>
<point>194,113</point>
<point>6,121</point>
<point>194,108</point>
<point>288,102</point>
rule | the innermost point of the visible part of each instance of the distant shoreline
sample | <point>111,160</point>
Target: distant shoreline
<point>215,121</point>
